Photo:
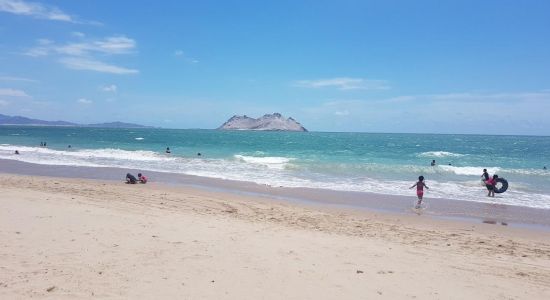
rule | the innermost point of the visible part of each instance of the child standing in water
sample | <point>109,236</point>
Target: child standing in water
<point>491,183</point>
<point>419,190</point>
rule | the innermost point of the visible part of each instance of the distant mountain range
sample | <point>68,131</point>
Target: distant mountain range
<point>18,120</point>
<point>268,122</point>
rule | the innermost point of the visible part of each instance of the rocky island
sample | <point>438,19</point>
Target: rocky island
<point>268,122</point>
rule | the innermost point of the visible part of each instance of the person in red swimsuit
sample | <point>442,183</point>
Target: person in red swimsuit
<point>420,185</point>
<point>142,178</point>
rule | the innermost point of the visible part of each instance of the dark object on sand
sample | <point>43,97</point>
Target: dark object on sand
<point>502,187</point>
<point>131,178</point>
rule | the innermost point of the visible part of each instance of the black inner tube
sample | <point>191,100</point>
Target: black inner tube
<point>502,187</point>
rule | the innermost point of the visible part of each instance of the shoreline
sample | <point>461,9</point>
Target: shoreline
<point>87,238</point>
<point>466,211</point>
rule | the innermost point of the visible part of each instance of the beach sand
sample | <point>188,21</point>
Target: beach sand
<point>82,238</point>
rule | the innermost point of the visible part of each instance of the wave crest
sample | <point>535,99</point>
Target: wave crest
<point>274,162</point>
<point>439,154</point>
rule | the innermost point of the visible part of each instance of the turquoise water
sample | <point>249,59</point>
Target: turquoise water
<point>365,162</point>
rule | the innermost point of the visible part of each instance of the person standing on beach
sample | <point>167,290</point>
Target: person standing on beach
<point>484,178</point>
<point>420,185</point>
<point>485,175</point>
<point>491,185</point>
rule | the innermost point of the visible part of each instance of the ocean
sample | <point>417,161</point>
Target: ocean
<point>362,162</point>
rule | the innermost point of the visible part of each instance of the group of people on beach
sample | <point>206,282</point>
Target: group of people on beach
<point>131,179</point>
<point>490,184</point>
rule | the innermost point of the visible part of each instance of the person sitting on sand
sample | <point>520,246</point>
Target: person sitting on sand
<point>131,179</point>
<point>491,183</point>
<point>420,185</point>
<point>142,178</point>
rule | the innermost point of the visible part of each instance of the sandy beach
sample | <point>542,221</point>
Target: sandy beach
<point>82,238</point>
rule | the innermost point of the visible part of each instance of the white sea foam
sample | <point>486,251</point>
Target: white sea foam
<point>452,182</point>
<point>468,170</point>
<point>439,154</point>
<point>274,162</point>
<point>85,157</point>
<point>139,139</point>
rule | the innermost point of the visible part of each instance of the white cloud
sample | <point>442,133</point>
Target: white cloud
<point>13,93</point>
<point>181,55</point>
<point>34,9</point>
<point>109,45</point>
<point>109,88</point>
<point>79,63</point>
<point>40,11</point>
<point>84,101</point>
<point>82,55</point>
<point>342,113</point>
<point>344,83</point>
<point>12,78</point>
<point>78,34</point>
<point>489,97</point>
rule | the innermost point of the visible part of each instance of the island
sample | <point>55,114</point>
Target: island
<point>268,122</point>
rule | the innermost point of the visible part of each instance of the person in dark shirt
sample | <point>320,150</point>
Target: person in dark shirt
<point>485,175</point>
<point>131,179</point>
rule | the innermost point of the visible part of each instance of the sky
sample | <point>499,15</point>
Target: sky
<point>479,67</point>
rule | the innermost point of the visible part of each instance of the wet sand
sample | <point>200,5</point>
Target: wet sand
<point>491,213</point>
<point>84,238</point>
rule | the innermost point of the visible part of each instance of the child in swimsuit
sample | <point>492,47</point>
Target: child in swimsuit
<point>420,185</point>
<point>142,178</point>
<point>491,185</point>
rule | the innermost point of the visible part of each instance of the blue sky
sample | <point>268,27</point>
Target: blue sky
<point>373,66</point>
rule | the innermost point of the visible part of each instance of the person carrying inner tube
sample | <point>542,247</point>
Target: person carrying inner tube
<point>491,183</point>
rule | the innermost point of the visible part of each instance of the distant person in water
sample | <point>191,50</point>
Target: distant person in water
<point>69,147</point>
<point>44,144</point>
<point>491,183</point>
<point>420,185</point>
<point>544,168</point>
<point>142,178</point>
<point>168,150</point>
<point>433,163</point>
<point>199,154</point>
<point>41,144</point>
<point>17,152</point>
<point>131,179</point>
